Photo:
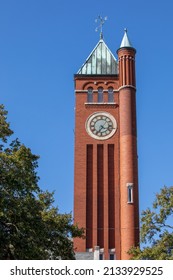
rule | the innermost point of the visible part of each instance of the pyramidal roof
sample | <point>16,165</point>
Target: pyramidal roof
<point>101,61</point>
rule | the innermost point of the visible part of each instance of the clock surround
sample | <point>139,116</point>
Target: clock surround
<point>101,125</point>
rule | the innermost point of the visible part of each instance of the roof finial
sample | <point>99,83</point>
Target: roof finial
<point>102,21</point>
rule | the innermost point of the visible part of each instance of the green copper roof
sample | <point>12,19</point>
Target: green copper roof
<point>100,62</point>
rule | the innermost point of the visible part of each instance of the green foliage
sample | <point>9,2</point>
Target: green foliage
<point>157,229</point>
<point>5,130</point>
<point>31,227</point>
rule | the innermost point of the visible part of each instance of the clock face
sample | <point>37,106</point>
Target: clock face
<point>101,125</point>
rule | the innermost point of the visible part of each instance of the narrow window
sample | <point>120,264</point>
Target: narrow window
<point>100,95</point>
<point>101,257</point>
<point>110,95</point>
<point>89,195</point>
<point>90,95</point>
<point>111,257</point>
<point>100,195</point>
<point>130,193</point>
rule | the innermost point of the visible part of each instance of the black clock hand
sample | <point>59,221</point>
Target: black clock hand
<point>101,126</point>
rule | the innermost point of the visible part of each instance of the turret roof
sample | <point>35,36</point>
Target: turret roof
<point>125,41</point>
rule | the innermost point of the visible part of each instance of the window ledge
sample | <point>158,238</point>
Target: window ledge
<point>100,103</point>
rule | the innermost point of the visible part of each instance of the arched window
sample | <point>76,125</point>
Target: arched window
<point>90,95</point>
<point>100,94</point>
<point>110,95</point>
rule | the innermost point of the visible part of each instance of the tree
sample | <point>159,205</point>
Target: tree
<point>31,227</point>
<point>157,229</point>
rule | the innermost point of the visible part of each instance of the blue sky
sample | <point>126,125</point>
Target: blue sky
<point>43,43</point>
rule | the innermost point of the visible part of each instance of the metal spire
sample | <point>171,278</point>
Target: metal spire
<point>125,41</point>
<point>101,21</point>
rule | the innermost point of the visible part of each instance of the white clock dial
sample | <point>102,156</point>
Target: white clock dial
<point>101,125</point>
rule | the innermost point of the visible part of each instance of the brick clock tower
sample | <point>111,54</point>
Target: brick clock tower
<point>106,171</point>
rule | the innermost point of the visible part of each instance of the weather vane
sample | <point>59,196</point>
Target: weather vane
<point>101,21</point>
